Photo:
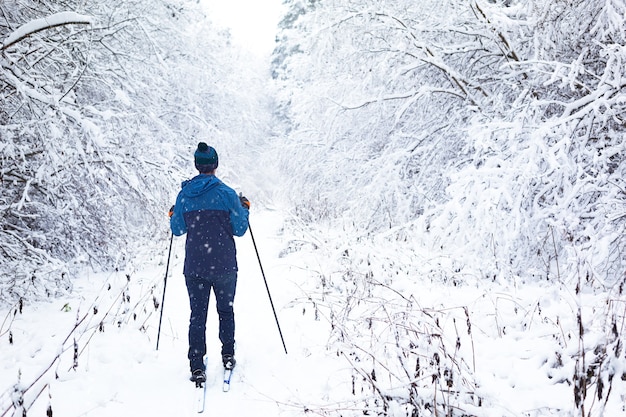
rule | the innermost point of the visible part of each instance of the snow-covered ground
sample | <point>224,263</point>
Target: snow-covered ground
<point>120,373</point>
<point>516,342</point>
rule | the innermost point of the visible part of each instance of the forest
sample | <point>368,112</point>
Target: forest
<point>459,143</point>
<point>100,104</point>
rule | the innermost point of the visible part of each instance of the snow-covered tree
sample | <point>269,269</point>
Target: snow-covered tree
<point>464,119</point>
<point>484,133</point>
<point>100,104</point>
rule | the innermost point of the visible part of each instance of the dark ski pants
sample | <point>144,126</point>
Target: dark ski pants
<point>199,289</point>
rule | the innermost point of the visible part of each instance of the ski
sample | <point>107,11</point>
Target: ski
<point>227,374</point>
<point>200,396</point>
<point>201,391</point>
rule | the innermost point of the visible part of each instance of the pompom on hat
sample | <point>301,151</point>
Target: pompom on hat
<point>205,158</point>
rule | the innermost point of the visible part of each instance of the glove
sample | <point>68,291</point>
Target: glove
<point>244,202</point>
<point>171,213</point>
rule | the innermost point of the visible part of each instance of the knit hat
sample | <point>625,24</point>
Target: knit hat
<point>205,158</point>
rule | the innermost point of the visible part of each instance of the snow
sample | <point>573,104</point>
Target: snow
<point>389,305</point>
<point>518,345</point>
<point>121,373</point>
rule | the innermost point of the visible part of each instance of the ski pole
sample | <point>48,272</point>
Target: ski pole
<point>267,288</point>
<point>167,268</point>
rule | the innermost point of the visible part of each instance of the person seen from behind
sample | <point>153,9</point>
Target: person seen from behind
<point>211,214</point>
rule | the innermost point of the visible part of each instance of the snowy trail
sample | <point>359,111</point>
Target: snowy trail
<point>520,352</point>
<point>120,373</point>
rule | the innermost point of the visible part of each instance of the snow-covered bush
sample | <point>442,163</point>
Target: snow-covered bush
<point>494,127</point>
<point>486,133</point>
<point>547,169</point>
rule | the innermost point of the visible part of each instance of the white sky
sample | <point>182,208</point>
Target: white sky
<point>252,22</point>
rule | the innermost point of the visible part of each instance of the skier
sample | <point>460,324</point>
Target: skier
<point>210,213</point>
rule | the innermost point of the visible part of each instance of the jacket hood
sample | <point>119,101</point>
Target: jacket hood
<point>199,185</point>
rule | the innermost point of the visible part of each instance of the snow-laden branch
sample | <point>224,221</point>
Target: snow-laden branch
<point>37,25</point>
<point>422,91</point>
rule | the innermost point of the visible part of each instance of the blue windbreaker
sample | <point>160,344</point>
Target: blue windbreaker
<point>210,213</point>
